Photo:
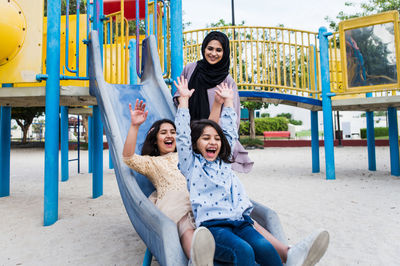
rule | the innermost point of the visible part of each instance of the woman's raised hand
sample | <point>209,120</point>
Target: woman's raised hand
<point>183,88</point>
<point>138,115</point>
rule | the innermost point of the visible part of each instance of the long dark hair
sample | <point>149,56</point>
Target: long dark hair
<point>150,143</point>
<point>197,128</point>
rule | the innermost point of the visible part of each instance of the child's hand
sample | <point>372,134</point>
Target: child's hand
<point>138,115</point>
<point>218,99</point>
<point>224,93</point>
<point>183,88</point>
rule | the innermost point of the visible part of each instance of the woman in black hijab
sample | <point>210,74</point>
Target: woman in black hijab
<point>209,72</point>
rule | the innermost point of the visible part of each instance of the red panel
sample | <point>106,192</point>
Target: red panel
<point>112,6</point>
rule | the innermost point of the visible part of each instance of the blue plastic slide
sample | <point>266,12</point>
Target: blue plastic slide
<point>157,231</point>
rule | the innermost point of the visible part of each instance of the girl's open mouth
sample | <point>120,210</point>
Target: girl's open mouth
<point>168,143</point>
<point>211,152</point>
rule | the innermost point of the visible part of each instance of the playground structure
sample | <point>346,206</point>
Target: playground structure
<point>283,66</point>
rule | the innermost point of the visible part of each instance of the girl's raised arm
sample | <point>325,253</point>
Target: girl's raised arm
<point>138,116</point>
<point>182,122</point>
<point>228,115</point>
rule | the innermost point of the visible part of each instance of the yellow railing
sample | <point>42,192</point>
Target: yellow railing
<point>116,53</point>
<point>266,58</point>
<point>335,67</point>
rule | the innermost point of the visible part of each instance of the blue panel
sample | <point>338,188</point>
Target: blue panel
<point>280,96</point>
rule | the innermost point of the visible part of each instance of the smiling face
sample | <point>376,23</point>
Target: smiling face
<point>166,139</point>
<point>209,143</point>
<point>213,52</point>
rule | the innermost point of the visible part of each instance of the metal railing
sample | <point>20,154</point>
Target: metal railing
<point>116,54</point>
<point>266,58</point>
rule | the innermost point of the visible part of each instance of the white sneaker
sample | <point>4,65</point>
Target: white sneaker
<point>308,251</point>
<point>203,248</point>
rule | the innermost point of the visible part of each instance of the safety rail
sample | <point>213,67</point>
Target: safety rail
<point>335,64</point>
<point>266,58</point>
<point>116,54</point>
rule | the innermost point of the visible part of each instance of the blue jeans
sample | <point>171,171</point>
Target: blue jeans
<point>238,243</point>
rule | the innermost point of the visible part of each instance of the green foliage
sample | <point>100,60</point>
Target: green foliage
<point>24,117</point>
<point>264,115</point>
<point>287,115</point>
<point>265,124</point>
<point>250,105</point>
<point>366,8</point>
<point>295,122</point>
<point>379,132</point>
<point>251,142</point>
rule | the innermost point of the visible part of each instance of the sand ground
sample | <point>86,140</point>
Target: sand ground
<point>360,209</point>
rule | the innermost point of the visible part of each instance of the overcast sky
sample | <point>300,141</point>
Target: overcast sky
<point>297,14</point>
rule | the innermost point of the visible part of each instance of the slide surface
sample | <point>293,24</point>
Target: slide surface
<point>157,231</point>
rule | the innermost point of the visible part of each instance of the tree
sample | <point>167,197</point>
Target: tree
<point>367,8</point>
<point>251,106</point>
<point>24,117</point>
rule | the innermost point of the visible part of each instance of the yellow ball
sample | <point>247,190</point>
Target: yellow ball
<point>12,30</point>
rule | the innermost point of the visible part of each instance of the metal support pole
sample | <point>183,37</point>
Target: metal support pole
<point>393,142</point>
<point>64,144</point>
<point>176,41</point>
<point>79,145</point>
<point>326,103</point>
<point>147,258</point>
<point>133,78</point>
<point>370,138</point>
<point>98,154</point>
<point>5,145</point>
<point>339,137</point>
<point>371,141</point>
<point>90,143</point>
<point>314,142</point>
<point>52,111</point>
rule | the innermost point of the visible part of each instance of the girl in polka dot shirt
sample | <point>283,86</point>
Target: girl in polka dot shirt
<point>219,201</point>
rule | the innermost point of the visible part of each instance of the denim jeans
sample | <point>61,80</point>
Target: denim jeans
<point>238,243</point>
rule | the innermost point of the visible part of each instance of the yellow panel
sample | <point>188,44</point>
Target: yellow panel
<point>28,60</point>
<point>71,52</point>
<point>382,18</point>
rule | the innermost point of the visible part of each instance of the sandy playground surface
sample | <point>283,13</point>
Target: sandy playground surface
<point>360,209</point>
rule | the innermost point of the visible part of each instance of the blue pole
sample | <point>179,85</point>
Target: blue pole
<point>98,154</point>
<point>371,141</point>
<point>5,144</point>
<point>97,189</point>
<point>147,258</point>
<point>176,41</point>
<point>314,142</point>
<point>64,144</point>
<point>326,103</point>
<point>90,143</point>
<point>110,162</point>
<point>52,111</point>
<point>393,142</point>
<point>370,138</point>
<point>133,78</point>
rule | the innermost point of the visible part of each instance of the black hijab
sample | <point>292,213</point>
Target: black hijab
<point>206,76</point>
